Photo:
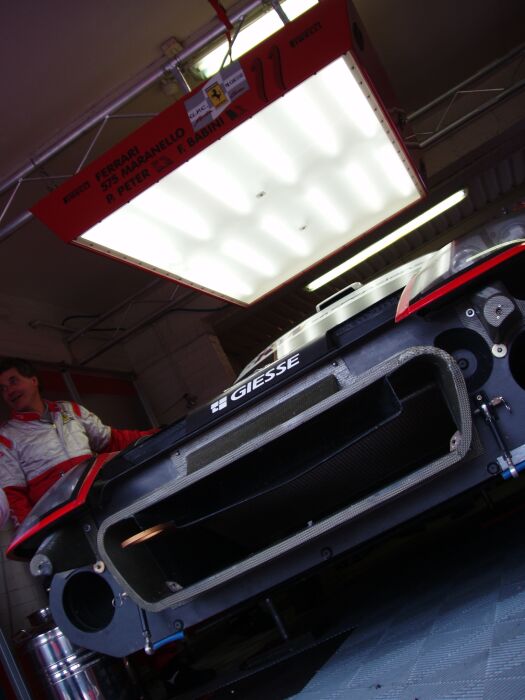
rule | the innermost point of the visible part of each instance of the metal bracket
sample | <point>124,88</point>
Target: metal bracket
<point>485,408</point>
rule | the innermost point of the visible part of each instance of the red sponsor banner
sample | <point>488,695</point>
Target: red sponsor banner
<point>283,61</point>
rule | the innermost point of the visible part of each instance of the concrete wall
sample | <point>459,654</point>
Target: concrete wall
<point>179,364</point>
<point>20,593</point>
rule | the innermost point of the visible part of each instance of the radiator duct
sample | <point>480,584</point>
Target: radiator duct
<point>361,444</point>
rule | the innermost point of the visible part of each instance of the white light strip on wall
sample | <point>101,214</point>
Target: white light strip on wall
<point>251,35</point>
<point>388,240</point>
<point>269,199</point>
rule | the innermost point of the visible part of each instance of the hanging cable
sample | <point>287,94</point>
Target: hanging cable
<point>223,17</point>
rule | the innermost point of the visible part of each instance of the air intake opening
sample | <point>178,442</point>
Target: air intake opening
<point>88,601</point>
<point>470,351</point>
<point>327,460</point>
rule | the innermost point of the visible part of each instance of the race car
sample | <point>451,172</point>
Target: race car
<point>392,398</point>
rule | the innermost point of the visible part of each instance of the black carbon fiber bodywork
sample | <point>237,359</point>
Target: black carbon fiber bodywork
<point>367,427</point>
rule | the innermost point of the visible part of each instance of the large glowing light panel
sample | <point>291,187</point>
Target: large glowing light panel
<point>303,177</point>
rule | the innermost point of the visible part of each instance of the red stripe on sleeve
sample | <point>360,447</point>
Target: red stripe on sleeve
<point>6,441</point>
<point>19,502</point>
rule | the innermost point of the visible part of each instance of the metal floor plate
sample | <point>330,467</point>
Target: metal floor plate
<point>447,625</point>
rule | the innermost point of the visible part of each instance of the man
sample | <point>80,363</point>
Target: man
<point>44,439</point>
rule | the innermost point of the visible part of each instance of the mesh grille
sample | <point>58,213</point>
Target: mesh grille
<point>418,435</point>
<point>263,423</point>
<point>364,445</point>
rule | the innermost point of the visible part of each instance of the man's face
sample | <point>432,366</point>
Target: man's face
<point>19,393</point>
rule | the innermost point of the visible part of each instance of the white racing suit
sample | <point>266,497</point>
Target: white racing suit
<point>4,509</point>
<point>35,451</point>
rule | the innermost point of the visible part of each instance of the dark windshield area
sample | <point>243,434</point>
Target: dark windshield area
<point>356,299</point>
<point>466,252</point>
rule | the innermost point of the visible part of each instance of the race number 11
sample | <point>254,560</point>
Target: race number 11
<point>260,68</point>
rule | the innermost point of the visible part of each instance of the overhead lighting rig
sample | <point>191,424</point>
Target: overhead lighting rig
<point>388,240</point>
<point>275,163</point>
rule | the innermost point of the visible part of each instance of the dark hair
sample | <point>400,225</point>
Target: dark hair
<point>24,367</point>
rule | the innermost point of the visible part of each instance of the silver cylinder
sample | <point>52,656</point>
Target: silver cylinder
<point>64,671</point>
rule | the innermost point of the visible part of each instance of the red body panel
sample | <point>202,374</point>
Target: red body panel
<point>406,309</point>
<point>78,501</point>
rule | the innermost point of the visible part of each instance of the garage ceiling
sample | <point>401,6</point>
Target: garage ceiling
<point>63,62</point>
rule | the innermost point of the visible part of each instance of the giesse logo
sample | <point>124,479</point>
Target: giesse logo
<point>219,405</point>
<point>257,382</point>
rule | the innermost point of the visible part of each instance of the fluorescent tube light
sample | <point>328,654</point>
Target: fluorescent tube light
<point>260,144</point>
<point>285,235</point>
<point>362,184</point>
<point>251,36</point>
<point>332,212</point>
<point>388,240</point>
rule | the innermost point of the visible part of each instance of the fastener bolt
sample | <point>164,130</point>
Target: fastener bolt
<point>499,350</point>
<point>326,553</point>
